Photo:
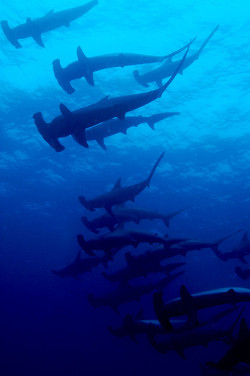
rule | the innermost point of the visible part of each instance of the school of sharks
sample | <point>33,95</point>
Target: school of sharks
<point>178,323</point>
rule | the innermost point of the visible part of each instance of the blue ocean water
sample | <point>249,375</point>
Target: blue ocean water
<point>47,325</point>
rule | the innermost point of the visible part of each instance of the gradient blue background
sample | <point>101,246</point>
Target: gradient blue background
<point>47,325</point>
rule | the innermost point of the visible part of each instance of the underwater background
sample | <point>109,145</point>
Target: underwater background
<point>47,325</point>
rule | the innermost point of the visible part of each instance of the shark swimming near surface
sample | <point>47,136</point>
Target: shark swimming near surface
<point>123,214</point>
<point>119,195</point>
<point>50,21</point>
<point>113,126</point>
<point>158,74</point>
<point>85,67</point>
<point>75,123</point>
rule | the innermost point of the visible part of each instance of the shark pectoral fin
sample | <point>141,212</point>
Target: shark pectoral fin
<point>109,210</point>
<point>159,83</point>
<point>133,337</point>
<point>38,39</point>
<point>124,131</point>
<point>80,138</point>
<point>55,144</point>
<point>89,78</point>
<point>151,124</point>
<point>100,142</point>
<point>180,352</point>
<point>66,113</point>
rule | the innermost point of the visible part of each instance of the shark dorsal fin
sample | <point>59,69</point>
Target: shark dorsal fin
<point>243,330</point>
<point>80,55</point>
<point>184,293</point>
<point>103,100</point>
<point>49,13</point>
<point>117,185</point>
<point>244,238</point>
<point>66,113</point>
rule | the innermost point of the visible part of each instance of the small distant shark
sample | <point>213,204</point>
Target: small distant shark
<point>239,252</point>
<point>134,272</point>
<point>113,126</point>
<point>85,67</point>
<point>242,273</point>
<point>123,214</point>
<point>127,293</point>
<point>191,245</point>
<point>118,195</point>
<point>75,123</point>
<point>119,239</point>
<point>238,353</point>
<point>189,337</point>
<point>136,326</point>
<point>189,304</point>
<point>165,70</point>
<point>51,21</point>
<point>83,265</point>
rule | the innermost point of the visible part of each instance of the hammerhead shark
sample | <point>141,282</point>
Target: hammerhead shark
<point>85,67</point>
<point>134,326</point>
<point>239,252</point>
<point>50,21</point>
<point>238,353</point>
<point>123,214</point>
<point>195,336</point>
<point>83,265</point>
<point>134,272</point>
<point>75,123</point>
<point>119,239</point>
<point>113,126</point>
<point>189,304</point>
<point>127,293</point>
<point>191,245</point>
<point>158,74</point>
<point>119,195</point>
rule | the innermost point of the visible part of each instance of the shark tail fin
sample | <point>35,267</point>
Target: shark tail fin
<point>206,41</point>
<point>178,69</point>
<point>221,240</point>
<point>153,169</point>
<point>239,272</point>
<point>61,77</point>
<point>88,224</point>
<point>139,79</point>
<point>9,34</point>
